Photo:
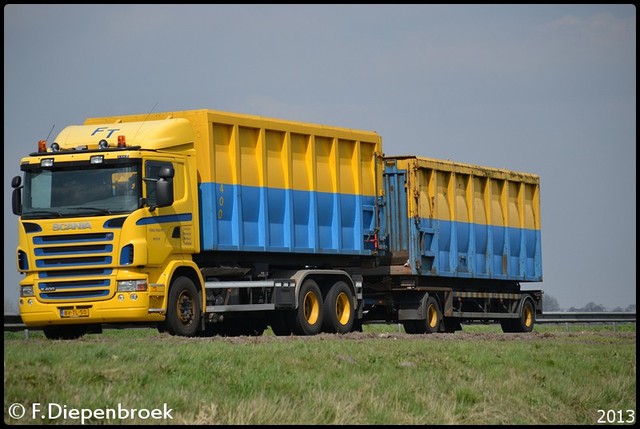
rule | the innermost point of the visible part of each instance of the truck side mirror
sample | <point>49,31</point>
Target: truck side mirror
<point>164,187</point>
<point>166,173</point>
<point>16,196</point>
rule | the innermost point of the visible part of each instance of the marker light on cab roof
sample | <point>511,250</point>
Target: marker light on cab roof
<point>97,159</point>
<point>122,141</point>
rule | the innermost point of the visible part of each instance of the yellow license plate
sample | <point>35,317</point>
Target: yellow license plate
<point>74,312</point>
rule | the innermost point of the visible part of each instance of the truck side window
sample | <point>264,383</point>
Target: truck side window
<point>151,172</point>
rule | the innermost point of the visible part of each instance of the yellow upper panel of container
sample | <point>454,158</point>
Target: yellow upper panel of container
<point>248,150</point>
<point>455,191</point>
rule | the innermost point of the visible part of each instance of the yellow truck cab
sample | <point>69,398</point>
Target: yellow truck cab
<point>105,213</point>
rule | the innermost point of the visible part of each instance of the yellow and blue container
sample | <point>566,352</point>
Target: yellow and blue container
<point>449,219</point>
<point>278,186</point>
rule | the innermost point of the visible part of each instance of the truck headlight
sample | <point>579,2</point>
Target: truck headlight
<point>132,286</point>
<point>26,291</point>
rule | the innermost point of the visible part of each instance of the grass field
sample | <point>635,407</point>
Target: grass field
<point>584,375</point>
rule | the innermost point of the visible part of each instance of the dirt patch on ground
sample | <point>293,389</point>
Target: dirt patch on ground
<point>366,336</point>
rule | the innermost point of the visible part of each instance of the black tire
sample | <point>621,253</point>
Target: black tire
<point>433,318</point>
<point>339,312</point>
<point>64,332</point>
<point>183,311</point>
<point>307,319</point>
<point>507,325</point>
<point>527,318</point>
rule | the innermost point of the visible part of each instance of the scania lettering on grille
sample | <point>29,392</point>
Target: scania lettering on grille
<point>71,226</point>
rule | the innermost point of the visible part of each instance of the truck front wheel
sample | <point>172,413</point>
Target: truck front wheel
<point>183,311</point>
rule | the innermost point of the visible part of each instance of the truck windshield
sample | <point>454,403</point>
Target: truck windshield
<point>80,190</point>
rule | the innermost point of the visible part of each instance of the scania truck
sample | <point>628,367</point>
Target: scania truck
<point>205,222</point>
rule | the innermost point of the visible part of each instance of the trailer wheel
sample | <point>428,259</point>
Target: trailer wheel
<point>339,313</point>
<point>525,320</point>
<point>527,317</point>
<point>431,324</point>
<point>183,311</point>
<point>507,325</point>
<point>307,318</point>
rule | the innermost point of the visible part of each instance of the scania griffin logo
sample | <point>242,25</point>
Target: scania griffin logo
<point>71,226</point>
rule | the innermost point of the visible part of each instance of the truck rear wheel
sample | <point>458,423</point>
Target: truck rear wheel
<point>339,313</point>
<point>307,318</point>
<point>183,311</point>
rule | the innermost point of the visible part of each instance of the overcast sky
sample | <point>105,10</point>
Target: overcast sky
<point>545,89</point>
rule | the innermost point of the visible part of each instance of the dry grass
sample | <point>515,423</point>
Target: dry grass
<point>472,377</point>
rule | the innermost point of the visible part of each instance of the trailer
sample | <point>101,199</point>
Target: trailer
<point>215,223</point>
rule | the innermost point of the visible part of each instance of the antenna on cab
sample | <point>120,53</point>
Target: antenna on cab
<point>145,120</point>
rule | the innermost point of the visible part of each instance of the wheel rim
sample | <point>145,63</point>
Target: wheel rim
<point>185,308</point>
<point>528,316</point>
<point>432,316</point>
<point>311,308</point>
<point>343,308</point>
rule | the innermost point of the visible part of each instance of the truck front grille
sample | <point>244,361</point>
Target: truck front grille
<point>74,266</point>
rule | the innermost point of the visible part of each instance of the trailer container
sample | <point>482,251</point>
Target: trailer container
<point>456,220</point>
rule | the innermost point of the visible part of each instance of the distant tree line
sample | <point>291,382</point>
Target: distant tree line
<point>550,303</point>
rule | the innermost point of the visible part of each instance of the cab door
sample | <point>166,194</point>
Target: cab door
<point>169,229</point>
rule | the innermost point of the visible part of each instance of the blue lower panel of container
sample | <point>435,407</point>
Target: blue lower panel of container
<point>459,249</point>
<point>246,218</point>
